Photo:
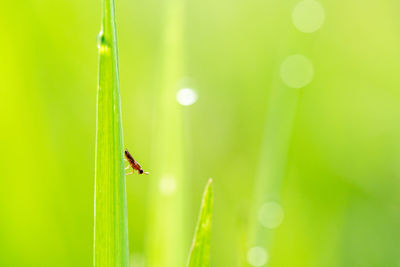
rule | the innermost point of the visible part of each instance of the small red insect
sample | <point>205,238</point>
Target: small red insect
<point>133,164</point>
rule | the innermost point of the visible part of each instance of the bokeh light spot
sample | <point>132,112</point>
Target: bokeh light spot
<point>167,185</point>
<point>137,260</point>
<point>257,256</point>
<point>270,215</point>
<point>297,71</point>
<point>308,16</point>
<point>186,96</point>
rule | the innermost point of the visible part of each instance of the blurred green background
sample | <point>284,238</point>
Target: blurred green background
<point>327,154</point>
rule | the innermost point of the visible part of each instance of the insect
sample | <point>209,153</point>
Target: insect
<point>133,164</point>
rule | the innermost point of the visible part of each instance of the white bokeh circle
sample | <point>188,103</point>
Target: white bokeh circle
<point>297,71</point>
<point>270,215</point>
<point>186,96</point>
<point>308,16</point>
<point>257,256</point>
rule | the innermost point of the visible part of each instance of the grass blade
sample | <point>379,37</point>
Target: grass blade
<point>273,164</point>
<point>110,223</point>
<point>200,250</point>
<point>167,232</point>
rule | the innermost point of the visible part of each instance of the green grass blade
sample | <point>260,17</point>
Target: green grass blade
<point>273,163</point>
<point>167,232</point>
<point>200,250</point>
<point>110,224</point>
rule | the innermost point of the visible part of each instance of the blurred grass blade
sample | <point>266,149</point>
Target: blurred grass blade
<point>200,250</point>
<point>110,224</point>
<point>167,231</point>
<point>273,163</point>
